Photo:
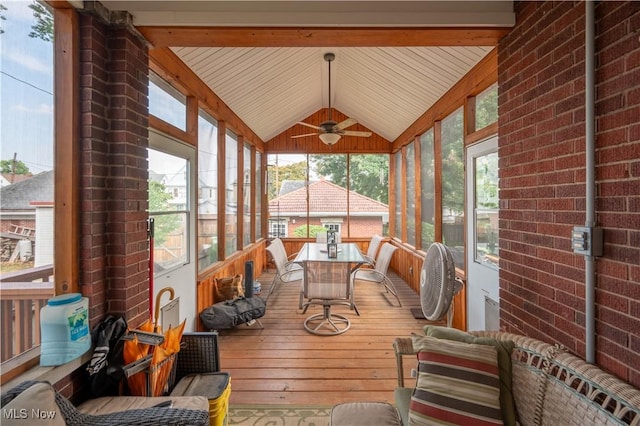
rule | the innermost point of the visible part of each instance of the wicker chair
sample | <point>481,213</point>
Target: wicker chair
<point>550,386</point>
<point>152,416</point>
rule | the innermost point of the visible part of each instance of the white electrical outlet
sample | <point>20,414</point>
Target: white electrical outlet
<point>414,373</point>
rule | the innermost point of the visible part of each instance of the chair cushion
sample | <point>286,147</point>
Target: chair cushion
<point>457,383</point>
<point>402,399</point>
<point>35,405</point>
<point>504,347</point>
<point>364,414</point>
<point>114,404</point>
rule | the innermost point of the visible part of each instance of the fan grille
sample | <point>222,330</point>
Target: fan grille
<point>437,282</point>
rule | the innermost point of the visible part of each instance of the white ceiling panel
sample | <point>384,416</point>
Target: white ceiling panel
<point>384,88</point>
<point>271,88</point>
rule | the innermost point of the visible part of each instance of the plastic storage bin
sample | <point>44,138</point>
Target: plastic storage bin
<point>215,386</point>
<point>64,329</point>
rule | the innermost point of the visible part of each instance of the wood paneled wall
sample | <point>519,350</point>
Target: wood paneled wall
<point>283,143</point>
<point>407,263</point>
<point>230,267</point>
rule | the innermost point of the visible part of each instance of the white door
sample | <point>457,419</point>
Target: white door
<point>172,207</point>
<point>482,231</point>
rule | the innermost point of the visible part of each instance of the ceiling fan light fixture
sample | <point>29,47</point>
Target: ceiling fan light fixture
<point>329,138</point>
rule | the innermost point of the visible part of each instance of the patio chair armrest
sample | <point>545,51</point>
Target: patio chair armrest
<point>290,263</point>
<point>370,260</point>
<point>402,346</point>
<point>382,277</point>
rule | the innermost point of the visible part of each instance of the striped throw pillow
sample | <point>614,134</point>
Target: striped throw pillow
<point>457,383</point>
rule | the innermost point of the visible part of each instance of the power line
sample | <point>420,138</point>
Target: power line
<point>27,83</point>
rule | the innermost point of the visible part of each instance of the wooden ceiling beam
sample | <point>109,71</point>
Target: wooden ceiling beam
<point>163,36</point>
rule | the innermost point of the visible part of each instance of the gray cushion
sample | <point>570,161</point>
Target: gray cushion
<point>364,414</point>
<point>402,397</point>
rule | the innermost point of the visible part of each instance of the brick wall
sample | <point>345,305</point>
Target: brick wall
<point>114,138</point>
<point>542,178</point>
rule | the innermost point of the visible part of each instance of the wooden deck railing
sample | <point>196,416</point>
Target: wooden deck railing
<point>22,294</point>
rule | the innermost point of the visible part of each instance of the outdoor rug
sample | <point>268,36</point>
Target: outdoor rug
<point>278,415</point>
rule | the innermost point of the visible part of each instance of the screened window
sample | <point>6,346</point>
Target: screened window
<point>487,107</point>
<point>258,195</point>
<point>486,247</point>
<point>398,192</point>
<point>453,184</point>
<point>328,196</point>
<point>368,195</point>
<point>411,194</point>
<point>207,190</point>
<point>287,192</point>
<point>349,193</point>
<point>166,103</point>
<point>231,193</point>
<point>427,189</point>
<point>27,158</point>
<point>168,208</point>
<point>247,204</point>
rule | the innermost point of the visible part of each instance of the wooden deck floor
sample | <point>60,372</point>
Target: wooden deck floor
<point>284,364</point>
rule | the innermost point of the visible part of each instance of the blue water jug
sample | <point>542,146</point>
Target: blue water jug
<point>64,329</point>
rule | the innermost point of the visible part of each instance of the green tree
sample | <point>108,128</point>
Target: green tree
<point>164,224</point>
<point>453,163</point>
<point>278,174</point>
<point>369,173</point>
<point>487,108</point>
<point>43,28</point>
<point>301,231</point>
<point>7,166</point>
<point>332,167</point>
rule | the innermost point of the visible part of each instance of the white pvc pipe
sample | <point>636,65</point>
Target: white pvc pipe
<point>590,213</point>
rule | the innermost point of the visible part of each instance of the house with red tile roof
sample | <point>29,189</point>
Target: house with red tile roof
<point>330,206</point>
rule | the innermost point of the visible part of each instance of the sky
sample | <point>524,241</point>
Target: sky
<point>26,90</point>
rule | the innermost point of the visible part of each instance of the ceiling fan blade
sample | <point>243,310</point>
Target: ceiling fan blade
<point>313,126</point>
<point>357,133</point>
<point>346,123</point>
<point>304,136</point>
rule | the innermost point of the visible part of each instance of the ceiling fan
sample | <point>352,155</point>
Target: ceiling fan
<point>330,131</point>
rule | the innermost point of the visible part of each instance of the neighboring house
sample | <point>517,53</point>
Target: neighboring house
<point>10,178</point>
<point>26,211</point>
<point>327,207</point>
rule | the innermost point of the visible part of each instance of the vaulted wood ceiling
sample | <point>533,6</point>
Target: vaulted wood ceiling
<point>264,59</point>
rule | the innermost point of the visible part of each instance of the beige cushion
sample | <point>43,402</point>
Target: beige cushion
<point>504,348</point>
<point>458,383</point>
<point>364,414</point>
<point>113,404</point>
<point>36,405</point>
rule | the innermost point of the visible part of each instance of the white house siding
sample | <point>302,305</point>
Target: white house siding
<point>44,236</point>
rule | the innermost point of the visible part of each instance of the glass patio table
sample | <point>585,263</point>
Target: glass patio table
<point>348,253</point>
